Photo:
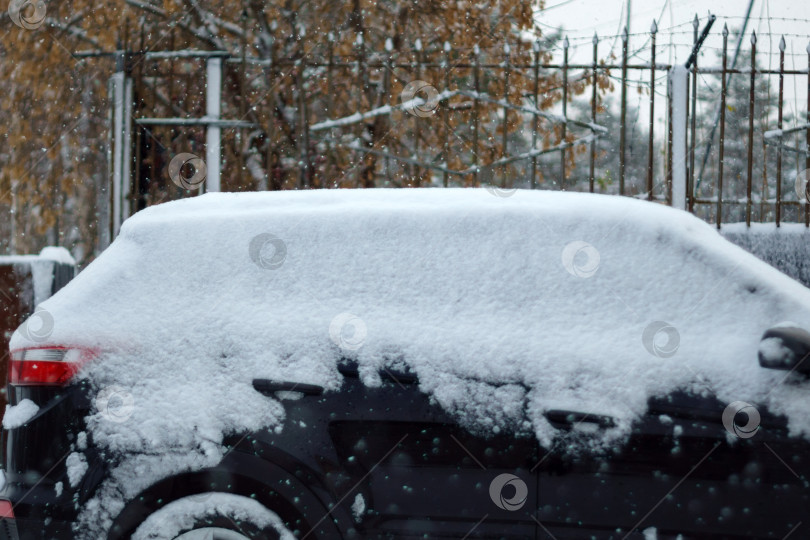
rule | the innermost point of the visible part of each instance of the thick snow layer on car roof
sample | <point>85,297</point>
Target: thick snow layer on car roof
<point>505,307</point>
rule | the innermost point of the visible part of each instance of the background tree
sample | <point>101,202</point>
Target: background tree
<point>56,110</point>
<point>606,164</point>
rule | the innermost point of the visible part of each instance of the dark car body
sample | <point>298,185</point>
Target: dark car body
<point>422,475</point>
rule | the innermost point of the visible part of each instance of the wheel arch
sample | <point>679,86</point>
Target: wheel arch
<point>241,473</point>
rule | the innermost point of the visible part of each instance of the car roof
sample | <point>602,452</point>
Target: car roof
<point>600,301</point>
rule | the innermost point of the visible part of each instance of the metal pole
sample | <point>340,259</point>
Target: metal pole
<point>242,99</point>
<point>751,99</point>
<point>564,110</point>
<point>535,119</point>
<point>807,155</point>
<point>690,191</point>
<point>627,22</point>
<point>306,169</point>
<point>623,122</point>
<point>779,126</point>
<point>330,106</point>
<point>121,87</point>
<point>679,107</point>
<point>668,194</point>
<point>445,111</point>
<point>592,175</point>
<point>12,245</point>
<point>653,31</point>
<point>722,128</point>
<point>417,121</point>
<point>213,132</point>
<point>477,83</point>
<point>504,134</point>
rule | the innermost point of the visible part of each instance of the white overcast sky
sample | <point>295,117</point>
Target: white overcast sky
<point>771,19</point>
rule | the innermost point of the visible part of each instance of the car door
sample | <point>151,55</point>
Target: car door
<point>681,474</point>
<point>421,475</point>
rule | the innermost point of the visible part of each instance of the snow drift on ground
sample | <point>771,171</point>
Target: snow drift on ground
<point>576,301</point>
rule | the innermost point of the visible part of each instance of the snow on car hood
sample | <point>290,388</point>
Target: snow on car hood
<point>583,302</point>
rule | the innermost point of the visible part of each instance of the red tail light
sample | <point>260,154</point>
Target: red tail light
<point>6,509</point>
<point>47,366</point>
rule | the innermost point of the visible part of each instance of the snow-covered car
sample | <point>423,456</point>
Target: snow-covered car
<point>413,364</point>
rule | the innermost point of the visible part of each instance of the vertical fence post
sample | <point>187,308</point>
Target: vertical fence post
<point>122,93</point>
<point>171,85</point>
<point>623,121</point>
<point>564,111</point>
<point>779,126</point>
<point>417,126</point>
<point>679,107</point>
<point>213,132</point>
<point>384,95</point>
<point>763,200</point>
<point>361,80</point>
<point>271,157</point>
<point>445,111</point>
<point>807,150</point>
<point>535,118</point>
<point>306,169</point>
<point>592,175</point>
<point>153,158</point>
<point>505,126</point>
<point>330,104</point>
<point>477,84</point>
<point>721,148</point>
<point>242,96</point>
<point>653,31</point>
<point>751,100</point>
<point>668,186</point>
<point>690,192</point>
<point>138,108</point>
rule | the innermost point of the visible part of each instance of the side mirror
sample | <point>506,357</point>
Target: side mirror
<point>787,348</point>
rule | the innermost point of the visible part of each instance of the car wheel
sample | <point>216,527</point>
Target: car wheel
<point>213,533</point>
<point>214,516</point>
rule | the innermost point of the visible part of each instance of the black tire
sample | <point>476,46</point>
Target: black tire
<point>215,516</point>
<point>223,528</point>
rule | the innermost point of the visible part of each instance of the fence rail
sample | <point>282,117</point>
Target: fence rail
<point>511,118</point>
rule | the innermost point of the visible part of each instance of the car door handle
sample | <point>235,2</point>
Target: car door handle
<point>269,387</point>
<point>397,376</point>
<point>569,419</point>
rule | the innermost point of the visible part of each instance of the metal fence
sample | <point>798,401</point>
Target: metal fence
<point>449,117</point>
